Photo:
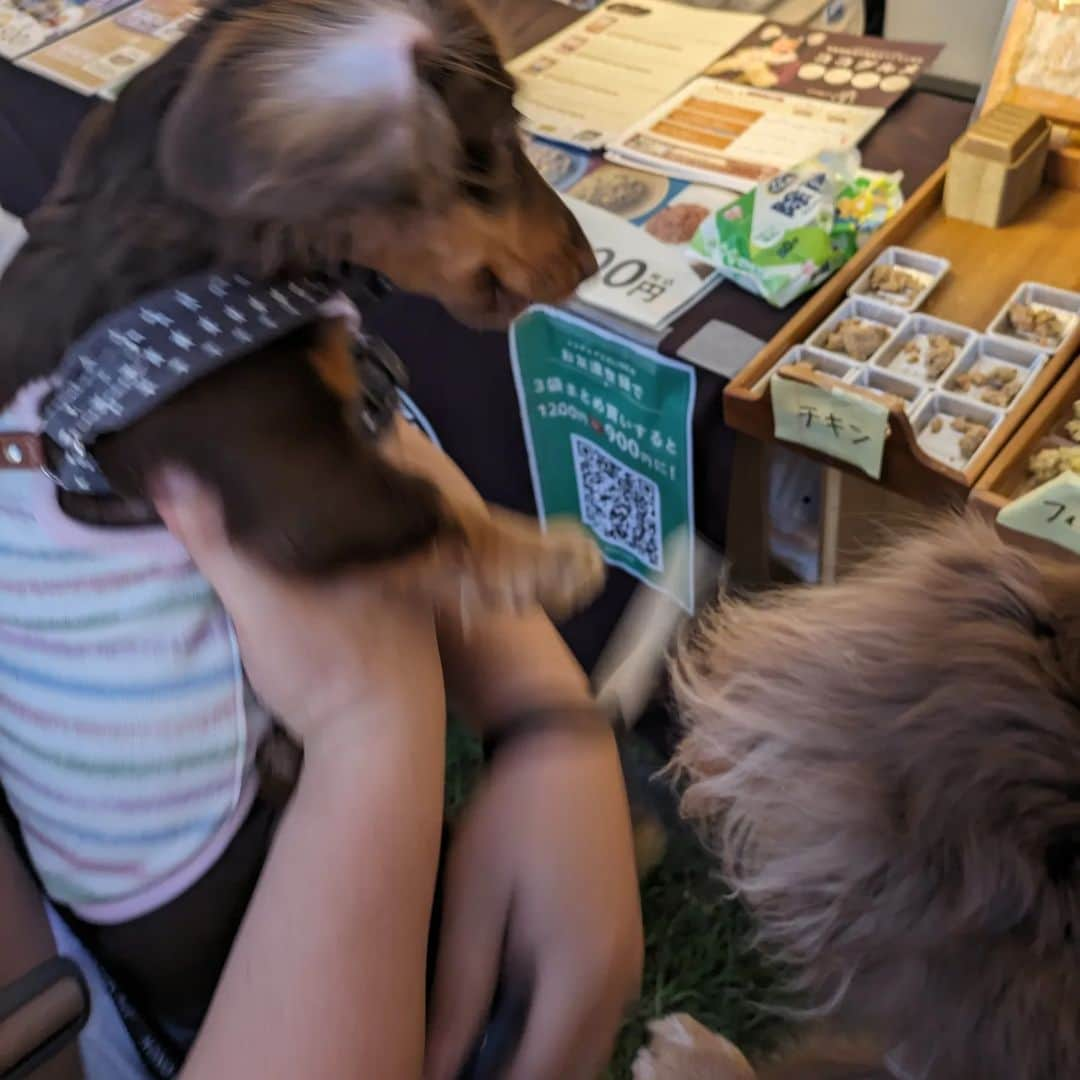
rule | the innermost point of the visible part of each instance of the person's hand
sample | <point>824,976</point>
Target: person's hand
<point>542,867</point>
<point>313,651</point>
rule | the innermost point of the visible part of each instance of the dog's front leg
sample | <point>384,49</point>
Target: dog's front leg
<point>502,560</point>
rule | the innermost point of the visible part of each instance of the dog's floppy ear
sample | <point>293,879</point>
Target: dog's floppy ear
<point>290,115</point>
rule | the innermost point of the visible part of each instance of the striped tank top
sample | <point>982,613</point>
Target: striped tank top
<point>127,738</point>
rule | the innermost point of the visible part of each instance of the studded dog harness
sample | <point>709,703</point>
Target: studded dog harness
<point>133,360</point>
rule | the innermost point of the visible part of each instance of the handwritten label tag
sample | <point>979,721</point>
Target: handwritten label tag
<point>832,421</point>
<point>1050,512</point>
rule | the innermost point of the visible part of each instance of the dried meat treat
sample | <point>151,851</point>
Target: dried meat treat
<point>1038,323</point>
<point>940,353</point>
<point>971,432</point>
<point>936,424</point>
<point>1043,466</point>
<point>1002,375</point>
<point>979,378</point>
<point>1072,429</point>
<point>892,281</point>
<point>962,381</point>
<point>912,354</point>
<point>998,398</point>
<point>1046,464</point>
<point>856,338</point>
<point>973,438</point>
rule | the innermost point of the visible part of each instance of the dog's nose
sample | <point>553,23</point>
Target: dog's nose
<point>586,261</point>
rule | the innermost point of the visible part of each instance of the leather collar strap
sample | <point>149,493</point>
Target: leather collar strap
<point>21,450</point>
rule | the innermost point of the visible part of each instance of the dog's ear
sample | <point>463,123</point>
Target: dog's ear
<point>291,117</point>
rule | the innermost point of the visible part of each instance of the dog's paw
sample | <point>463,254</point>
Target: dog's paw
<point>682,1049</point>
<point>513,566</point>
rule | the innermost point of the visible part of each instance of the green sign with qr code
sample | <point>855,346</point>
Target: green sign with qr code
<point>608,429</point>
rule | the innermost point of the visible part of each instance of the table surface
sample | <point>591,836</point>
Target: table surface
<point>461,378</point>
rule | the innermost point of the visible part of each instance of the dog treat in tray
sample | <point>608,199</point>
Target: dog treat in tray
<point>1072,427</point>
<point>858,329</point>
<point>995,372</point>
<point>927,355</point>
<point>857,338</point>
<point>869,378</point>
<point>815,360</point>
<point>1037,323</point>
<point>953,430</point>
<point>925,348</point>
<point>1052,461</point>
<point>1039,315</point>
<point>886,383</point>
<point>901,277</point>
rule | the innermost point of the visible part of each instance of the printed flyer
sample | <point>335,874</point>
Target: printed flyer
<point>640,225</point>
<point>103,56</point>
<point>843,68</point>
<point>723,133</point>
<point>587,84</point>
<point>608,428</point>
<point>26,25</point>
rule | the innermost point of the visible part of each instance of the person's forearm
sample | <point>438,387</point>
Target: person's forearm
<point>326,979</point>
<point>506,665</point>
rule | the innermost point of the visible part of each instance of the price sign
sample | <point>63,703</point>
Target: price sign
<point>640,278</point>
<point>831,420</point>
<point>1050,512</point>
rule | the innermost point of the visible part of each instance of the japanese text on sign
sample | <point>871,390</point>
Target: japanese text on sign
<point>831,420</point>
<point>607,425</point>
<point>1050,512</point>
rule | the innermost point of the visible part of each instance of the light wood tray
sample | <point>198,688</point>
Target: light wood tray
<point>987,266</point>
<point>1063,165</point>
<point>1006,476</point>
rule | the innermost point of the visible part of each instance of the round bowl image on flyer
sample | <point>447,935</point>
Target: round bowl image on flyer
<point>628,193</point>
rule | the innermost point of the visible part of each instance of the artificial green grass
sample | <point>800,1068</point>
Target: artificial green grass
<point>698,952</point>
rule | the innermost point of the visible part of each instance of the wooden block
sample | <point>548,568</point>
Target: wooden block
<point>997,166</point>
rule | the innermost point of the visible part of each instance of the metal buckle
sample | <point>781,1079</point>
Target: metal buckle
<point>382,374</point>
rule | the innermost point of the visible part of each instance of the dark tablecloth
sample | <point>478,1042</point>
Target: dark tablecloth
<point>462,379</point>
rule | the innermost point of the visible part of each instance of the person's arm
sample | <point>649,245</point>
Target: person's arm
<point>541,884</point>
<point>326,978</point>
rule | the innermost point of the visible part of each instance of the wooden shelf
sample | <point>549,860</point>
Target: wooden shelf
<point>1007,476</point>
<point>987,266</point>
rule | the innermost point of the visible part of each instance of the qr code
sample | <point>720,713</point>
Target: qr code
<point>619,504</point>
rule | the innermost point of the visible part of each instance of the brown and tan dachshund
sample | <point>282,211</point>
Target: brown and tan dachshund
<point>290,137</point>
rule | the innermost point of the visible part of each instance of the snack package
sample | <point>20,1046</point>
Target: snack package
<point>790,233</point>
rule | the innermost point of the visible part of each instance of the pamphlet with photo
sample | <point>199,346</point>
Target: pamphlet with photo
<point>587,84</point>
<point>26,25</point>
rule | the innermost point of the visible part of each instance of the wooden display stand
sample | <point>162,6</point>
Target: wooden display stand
<point>987,266</point>
<point>1063,167</point>
<point>1007,475</point>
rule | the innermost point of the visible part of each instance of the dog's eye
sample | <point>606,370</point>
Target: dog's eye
<point>480,162</point>
<point>479,157</point>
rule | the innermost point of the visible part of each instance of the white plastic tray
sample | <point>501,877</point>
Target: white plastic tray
<point>929,268</point>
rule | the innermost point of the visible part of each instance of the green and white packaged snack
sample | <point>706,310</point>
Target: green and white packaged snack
<point>790,233</point>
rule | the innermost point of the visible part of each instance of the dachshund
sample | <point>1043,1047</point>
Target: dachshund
<point>280,141</point>
<point>285,138</point>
